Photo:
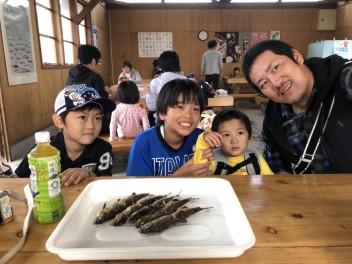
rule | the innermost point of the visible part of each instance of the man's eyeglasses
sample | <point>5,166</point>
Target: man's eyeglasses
<point>100,62</point>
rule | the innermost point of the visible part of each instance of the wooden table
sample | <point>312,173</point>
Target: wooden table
<point>145,85</point>
<point>296,219</point>
<point>236,80</point>
<point>233,84</point>
<point>122,145</point>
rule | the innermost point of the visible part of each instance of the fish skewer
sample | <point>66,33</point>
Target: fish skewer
<point>166,221</point>
<point>168,208</point>
<point>109,212</point>
<point>122,217</point>
<point>150,208</point>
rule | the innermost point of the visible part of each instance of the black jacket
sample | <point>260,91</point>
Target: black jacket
<point>81,74</point>
<point>336,142</point>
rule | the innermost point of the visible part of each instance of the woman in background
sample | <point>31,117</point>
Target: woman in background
<point>129,117</point>
<point>129,74</point>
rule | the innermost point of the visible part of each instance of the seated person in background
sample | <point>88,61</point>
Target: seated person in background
<point>129,74</point>
<point>230,132</point>
<point>167,148</point>
<point>156,69</point>
<point>169,62</point>
<point>235,72</point>
<point>129,118</point>
<point>78,114</point>
<point>85,72</point>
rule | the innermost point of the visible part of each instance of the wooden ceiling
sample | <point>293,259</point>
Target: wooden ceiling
<point>111,4</point>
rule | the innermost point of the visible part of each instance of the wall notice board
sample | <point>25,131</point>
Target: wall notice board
<point>152,44</point>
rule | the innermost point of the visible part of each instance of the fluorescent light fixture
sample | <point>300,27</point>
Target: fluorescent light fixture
<point>139,1</point>
<point>254,1</point>
<point>187,1</point>
<point>299,1</point>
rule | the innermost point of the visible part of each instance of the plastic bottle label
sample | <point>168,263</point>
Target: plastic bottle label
<point>46,188</point>
<point>45,169</point>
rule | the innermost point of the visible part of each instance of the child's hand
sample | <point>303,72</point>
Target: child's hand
<point>214,139</point>
<point>74,176</point>
<point>189,169</point>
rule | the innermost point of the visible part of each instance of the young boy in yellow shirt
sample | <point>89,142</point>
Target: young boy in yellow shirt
<point>230,134</point>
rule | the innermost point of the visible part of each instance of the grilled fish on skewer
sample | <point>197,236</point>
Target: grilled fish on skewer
<point>168,208</point>
<point>149,208</point>
<point>122,217</point>
<point>109,212</point>
<point>169,220</point>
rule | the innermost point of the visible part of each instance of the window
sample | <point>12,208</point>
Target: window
<point>82,30</point>
<point>59,36</point>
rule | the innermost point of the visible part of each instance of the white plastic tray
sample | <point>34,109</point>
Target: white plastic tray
<point>220,232</point>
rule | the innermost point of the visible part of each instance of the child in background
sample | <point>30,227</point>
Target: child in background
<point>157,71</point>
<point>167,148</point>
<point>231,131</point>
<point>129,118</point>
<point>129,73</point>
<point>78,114</point>
<point>235,72</point>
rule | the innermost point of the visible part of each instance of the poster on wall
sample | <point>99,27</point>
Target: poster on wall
<point>18,42</point>
<point>152,44</point>
<point>244,43</point>
<point>259,36</point>
<point>233,51</point>
<point>275,35</point>
<point>220,38</point>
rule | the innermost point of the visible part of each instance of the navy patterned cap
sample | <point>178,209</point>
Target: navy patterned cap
<point>76,96</point>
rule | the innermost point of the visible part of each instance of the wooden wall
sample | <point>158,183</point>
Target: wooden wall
<point>297,27</point>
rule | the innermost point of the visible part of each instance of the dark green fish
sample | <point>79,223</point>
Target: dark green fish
<point>109,212</point>
<point>169,220</point>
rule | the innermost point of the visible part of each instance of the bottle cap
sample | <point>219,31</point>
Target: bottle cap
<point>42,136</point>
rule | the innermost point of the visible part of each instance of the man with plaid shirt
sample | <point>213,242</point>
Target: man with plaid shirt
<point>303,94</point>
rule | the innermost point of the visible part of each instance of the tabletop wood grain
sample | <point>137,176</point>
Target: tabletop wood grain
<point>296,219</point>
<point>236,80</point>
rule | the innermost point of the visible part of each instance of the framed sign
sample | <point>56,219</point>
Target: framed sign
<point>152,44</point>
<point>17,38</point>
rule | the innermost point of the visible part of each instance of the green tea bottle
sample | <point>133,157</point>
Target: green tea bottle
<point>45,167</point>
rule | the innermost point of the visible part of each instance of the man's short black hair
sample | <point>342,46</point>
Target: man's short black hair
<point>169,61</point>
<point>168,96</point>
<point>276,46</point>
<point>87,52</point>
<point>128,93</point>
<point>229,114</point>
<point>212,44</point>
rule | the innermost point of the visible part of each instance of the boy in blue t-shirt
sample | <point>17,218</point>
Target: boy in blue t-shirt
<point>167,148</point>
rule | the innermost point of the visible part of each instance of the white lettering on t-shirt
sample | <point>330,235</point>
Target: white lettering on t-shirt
<point>167,166</point>
<point>105,161</point>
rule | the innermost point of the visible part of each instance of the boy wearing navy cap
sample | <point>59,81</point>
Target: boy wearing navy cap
<point>78,114</point>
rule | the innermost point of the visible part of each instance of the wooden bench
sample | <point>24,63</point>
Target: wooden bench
<point>243,97</point>
<point>217,103</point>
<point>262,101</point>
<point>220,101</point>
<point>122,145</point>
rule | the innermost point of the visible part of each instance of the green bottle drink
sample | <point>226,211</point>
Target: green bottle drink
<point>45,167</point>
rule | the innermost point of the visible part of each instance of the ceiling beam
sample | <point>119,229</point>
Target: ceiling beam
<point>86,11</point>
